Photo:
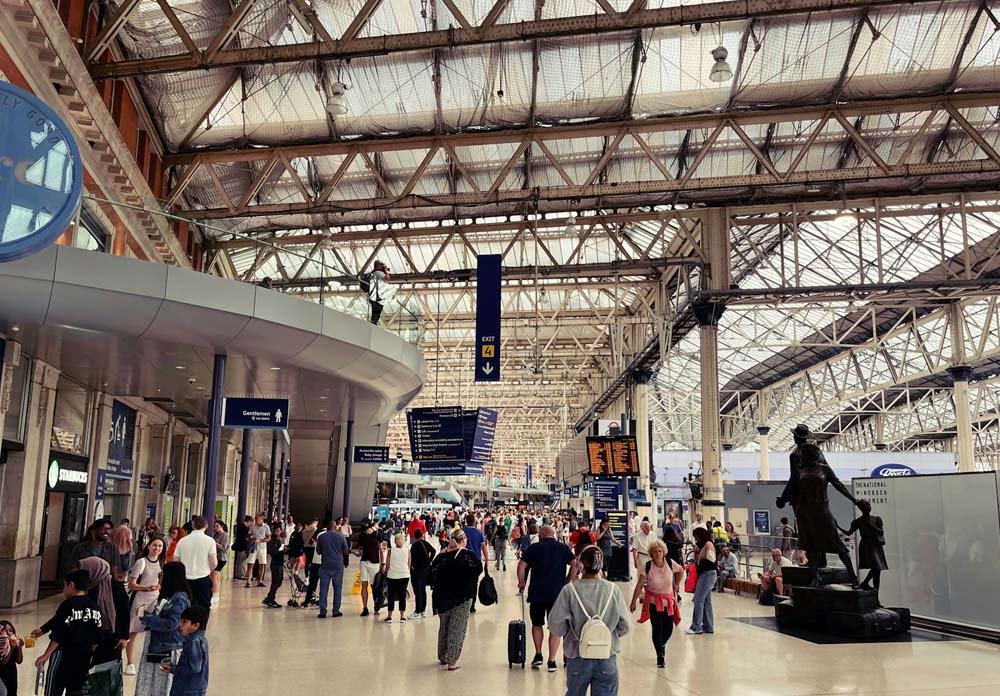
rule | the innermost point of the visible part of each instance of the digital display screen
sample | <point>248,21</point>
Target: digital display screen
<point>613,456</point>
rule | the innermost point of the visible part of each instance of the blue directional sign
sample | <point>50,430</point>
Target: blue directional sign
<point>605,497</point>
<point>371,455</point>
<point>41,174</point>
<point>488,318</point>
<point>482,438</point>
<point>436,434</point>
<point>263,414</point>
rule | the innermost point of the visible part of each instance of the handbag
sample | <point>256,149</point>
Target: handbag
<point>487,589</point>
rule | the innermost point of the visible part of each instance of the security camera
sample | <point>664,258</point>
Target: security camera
<point>691,465</point>
<point>192,380</point>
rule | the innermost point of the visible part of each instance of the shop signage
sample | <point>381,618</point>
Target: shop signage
<point>67,476</point>
<point>488,272</point>
<point>371,455</point>
<point>146,482</point>
<point>121,441</point>
<point>41,174</point>
<point>265,414</point>
<point>892,471</point>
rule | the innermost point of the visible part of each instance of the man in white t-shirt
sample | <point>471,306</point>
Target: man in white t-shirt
<point>258,535</point>
<point>198,554</point>
<point>773,573</point>
<point>640,544</point>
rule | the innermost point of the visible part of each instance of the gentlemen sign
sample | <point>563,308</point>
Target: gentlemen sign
<point>364,454</point>
<point>265,414</point>
<point>488,318</point>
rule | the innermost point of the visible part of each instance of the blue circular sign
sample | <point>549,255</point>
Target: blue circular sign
<point>892,471</point>
<point>41,174</point>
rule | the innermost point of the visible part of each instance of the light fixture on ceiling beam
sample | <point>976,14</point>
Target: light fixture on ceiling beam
<point>571,224</point>
<point>336,102</point>
<point>721,71</point>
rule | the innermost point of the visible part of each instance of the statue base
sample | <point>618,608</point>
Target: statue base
<point>837,609</point>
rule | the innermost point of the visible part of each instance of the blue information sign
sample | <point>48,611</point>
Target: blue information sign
<point>527,476</point>
<point>265,414</point>
<point>605,497</point>
<point>100,484</point>
<point>488,318</point>
<point>146,483</point>
<point>452,468</point>
<point>371,455</point>
<point>482,439</point>
<point>762,521</point>
<point>436,434</point>
<point>121,441</point>
<point>41,174</point>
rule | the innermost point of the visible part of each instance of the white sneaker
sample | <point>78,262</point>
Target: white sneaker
<point>416,616</point>
<point>692,632</point>
<point>130,671</point>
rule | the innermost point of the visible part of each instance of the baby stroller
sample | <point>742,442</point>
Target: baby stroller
<point>295,582</point>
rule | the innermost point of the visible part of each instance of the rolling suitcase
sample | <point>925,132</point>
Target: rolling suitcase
<point>516,647</point>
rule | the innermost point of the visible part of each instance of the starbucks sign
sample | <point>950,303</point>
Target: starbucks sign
<point>67,476</point>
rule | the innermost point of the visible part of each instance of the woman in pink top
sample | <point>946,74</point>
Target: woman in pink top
<point>659,605</point>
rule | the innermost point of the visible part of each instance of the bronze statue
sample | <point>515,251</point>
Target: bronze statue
<point>871,549</point>
<point>806,490</point>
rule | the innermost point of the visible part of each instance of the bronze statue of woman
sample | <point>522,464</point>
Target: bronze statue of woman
<point>806,490</point>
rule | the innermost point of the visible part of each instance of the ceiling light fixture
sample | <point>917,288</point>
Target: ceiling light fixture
<point>275,368</point>
<point>721,71</point>
<point>571,224</point>
<point>180,367</point>
<point>336,102</point>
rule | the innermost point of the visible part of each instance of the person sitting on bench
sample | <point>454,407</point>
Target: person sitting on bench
<point>770,579</point>
<point>727,568</point>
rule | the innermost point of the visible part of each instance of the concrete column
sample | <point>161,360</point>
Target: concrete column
<point>245,458</point>
<point>965,446</point>
<point>181,462</point>
<point>100,427</point>
<point>711,436</point>
<point>640,402</point>
<point>22,489</point>
<point>271,501</point>
<point>765,468</point>
<point>348,465</point>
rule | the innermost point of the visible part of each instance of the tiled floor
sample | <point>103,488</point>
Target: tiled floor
<point>288,651</point>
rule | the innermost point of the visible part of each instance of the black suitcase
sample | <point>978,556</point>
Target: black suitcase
<point>878,623</point>
<point>516,647</point>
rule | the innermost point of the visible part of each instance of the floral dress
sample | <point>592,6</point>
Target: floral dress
<point>144,572</point>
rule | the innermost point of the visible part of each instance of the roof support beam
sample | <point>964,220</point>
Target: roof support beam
<point>868,169</point>
<point>351,46</point>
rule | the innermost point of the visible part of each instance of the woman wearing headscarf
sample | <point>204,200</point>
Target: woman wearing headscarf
<point>112,600</point>
<point>163,631</point>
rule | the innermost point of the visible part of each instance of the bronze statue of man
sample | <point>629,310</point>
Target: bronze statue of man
<point>806,490</point>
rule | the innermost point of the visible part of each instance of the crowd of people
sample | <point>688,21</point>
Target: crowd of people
<point>123,583</point>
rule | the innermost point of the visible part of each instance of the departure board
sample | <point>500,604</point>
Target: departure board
<point>613,456</point>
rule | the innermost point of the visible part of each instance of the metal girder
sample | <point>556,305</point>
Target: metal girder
<point>547,228</point>
<point>790,179</point>
<point>490,31</point>
<point>706,121</point>
<point>650,267</point>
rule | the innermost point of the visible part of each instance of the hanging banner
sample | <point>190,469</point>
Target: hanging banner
<point>121,441</point>
<point>488,318</point>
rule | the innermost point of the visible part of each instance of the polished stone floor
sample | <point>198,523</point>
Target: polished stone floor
<point>288,651</point>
